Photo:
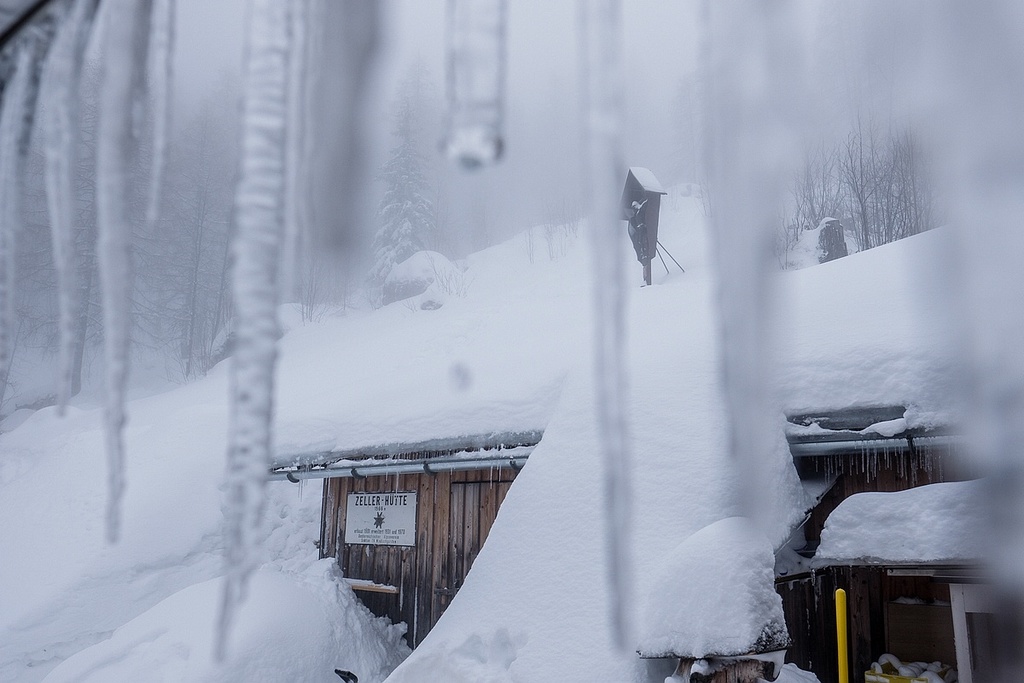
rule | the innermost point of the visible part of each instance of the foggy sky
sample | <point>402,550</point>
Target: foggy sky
<point>541,166</point>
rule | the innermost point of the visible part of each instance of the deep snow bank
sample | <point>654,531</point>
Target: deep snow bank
<point>291,627</point>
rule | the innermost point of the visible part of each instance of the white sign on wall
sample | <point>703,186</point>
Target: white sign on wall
<point>381,518</point>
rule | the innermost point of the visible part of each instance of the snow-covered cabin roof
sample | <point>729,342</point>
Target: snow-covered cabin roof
<point>647,180</point>
<point>490,362</point>
<point>936,523</point>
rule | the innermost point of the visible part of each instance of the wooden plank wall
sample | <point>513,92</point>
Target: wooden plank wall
<point>455,513</point>
<point>809,606</point>
<point>808,600</point>
<point>810,609</point>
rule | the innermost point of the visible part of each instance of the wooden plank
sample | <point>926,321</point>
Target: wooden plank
<point>457,538</point>
<point>921,633</point>
<point>488,509</point>
<point>371,587</point>
<point>470,527</point>
<point>424,590</point>
<point>443,586</point>
<point>344,488</point>
<point>326,519</point>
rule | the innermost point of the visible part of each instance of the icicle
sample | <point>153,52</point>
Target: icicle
<point>125,34</point>
<point>259,207</point>
<point>296,173</point>
<point>161,47</point>
<point>602,63</point>
<point>476,81</point>
<point>752,98</point>
<point>14,124</point>
<point>59,124</point>
<point>348,50</point>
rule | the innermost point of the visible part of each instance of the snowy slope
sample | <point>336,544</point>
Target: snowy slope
<point>534,605</point>
<point>871,329</point>
<point>398,374</point>
<point>510,350</point>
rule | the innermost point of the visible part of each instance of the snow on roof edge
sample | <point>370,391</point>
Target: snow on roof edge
<point>444,445</point>
<point>647,179</point>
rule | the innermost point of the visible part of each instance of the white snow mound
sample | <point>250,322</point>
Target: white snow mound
<point>419,273</point>
<point>291,627</point>
<point>715,595</point>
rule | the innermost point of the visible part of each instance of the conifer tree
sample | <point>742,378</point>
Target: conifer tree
<point>406,212</point>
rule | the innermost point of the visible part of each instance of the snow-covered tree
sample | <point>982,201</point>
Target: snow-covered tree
<point>406,212</point>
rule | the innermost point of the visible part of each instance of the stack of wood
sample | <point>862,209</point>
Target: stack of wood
<point>727,670</point>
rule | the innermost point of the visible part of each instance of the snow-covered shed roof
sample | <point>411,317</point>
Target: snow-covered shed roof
<point>487,364</point>
<point>936,523</point>
<point>647,180</point>
<point>497,450</point>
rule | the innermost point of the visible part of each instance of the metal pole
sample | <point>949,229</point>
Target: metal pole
<point>844,664</point>
<point>670,256</point>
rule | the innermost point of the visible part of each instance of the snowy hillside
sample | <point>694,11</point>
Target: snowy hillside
<point>509,350</point>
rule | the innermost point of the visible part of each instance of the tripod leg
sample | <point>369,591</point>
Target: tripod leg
<point>663,262</point>
<point>670,256</point>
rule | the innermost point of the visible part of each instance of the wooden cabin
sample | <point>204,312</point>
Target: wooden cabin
<point>406,521</point>
<point>916,609</point>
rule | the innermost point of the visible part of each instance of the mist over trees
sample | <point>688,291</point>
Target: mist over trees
<point>179,292</point>
<point>406,212</point>
<point>875,181</point>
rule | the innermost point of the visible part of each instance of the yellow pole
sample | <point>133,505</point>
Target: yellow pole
<point>844,664</point>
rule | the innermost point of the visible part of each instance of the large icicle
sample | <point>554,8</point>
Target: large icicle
<point>476,81</point>
<point>750,65</point>
<point>259,217</point>
<point>161,47</point>
<point>974,65</point>
<point>14,121</point>
<point>602,63</point>
<point>58,121</point>
<point>125,26</point>
<point>296,178</point>
<point>343,36</point>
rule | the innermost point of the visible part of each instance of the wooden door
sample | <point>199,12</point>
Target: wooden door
<point>473,504</point>
<point>455,514</point>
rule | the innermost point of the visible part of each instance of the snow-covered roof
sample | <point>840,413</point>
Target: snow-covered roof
<point>868,330</point>
<point>936,523</point>
<point>647,179</point>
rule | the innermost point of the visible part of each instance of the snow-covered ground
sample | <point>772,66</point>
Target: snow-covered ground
<point>508,350</point>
